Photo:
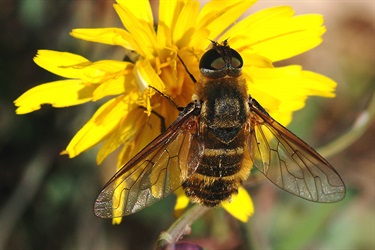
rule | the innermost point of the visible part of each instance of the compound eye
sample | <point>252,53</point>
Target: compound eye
<point>236,60</point>
<point>211,60</point>
<point>218,63</point>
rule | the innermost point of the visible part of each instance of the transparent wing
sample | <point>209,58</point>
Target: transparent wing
<point>156,171</point>
<point>289,162</point>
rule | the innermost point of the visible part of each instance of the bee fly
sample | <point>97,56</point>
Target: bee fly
<point>211,147</point>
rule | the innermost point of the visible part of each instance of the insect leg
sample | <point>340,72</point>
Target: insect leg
<point>163,126</point>
<point>187,70</point>
<point>254,102</point>
<point>168,98</point>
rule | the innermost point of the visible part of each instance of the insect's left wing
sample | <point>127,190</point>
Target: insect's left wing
<point>289,162</point>
<point>156,171</point>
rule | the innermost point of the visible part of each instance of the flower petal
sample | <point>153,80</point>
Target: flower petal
<point>141,9</point>
<point>319,85</point>
<point>181,203</point>
<point>218,15</point>
<point>59,94</point>
<point>168,13</point>
<point>289,85</point>
<point>254,60</point>
<point>146,76</point>
<point>116,221</point>
<point>146,129</point>
<point>139,26</point>
<point>114,86</point>
<point>99,126</point>
<point>185,24</point>
<point>60,63</point>
<point>104,70</point>
<point>111,36</point>
<point>276,34</point>
<point>241,207</point>
<point>124,133</point>
<point>74,66</point>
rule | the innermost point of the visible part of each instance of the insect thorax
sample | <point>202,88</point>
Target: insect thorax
<point>224,109</point>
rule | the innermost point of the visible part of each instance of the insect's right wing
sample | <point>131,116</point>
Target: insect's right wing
<point>289,162</point>
<point>156,171</point>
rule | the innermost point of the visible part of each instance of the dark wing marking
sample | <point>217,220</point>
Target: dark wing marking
<point>289,162</point>
<point>156,171</point>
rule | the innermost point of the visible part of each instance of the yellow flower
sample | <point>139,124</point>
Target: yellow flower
<point>183,29</point>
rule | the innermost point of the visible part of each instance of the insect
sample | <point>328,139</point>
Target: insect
<point>211,147</point>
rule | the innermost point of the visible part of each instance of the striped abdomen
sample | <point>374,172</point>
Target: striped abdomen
<point>220,172</point>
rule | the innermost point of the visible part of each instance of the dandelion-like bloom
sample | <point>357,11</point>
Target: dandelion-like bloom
<point>128,119</point>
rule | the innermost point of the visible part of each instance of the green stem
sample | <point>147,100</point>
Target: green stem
<point>180,227</point>
<point>358,128</point>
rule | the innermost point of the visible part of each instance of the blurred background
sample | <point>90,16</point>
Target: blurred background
<point>47,199</point>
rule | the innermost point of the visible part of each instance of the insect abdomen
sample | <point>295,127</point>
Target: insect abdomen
<point>219,173</point>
